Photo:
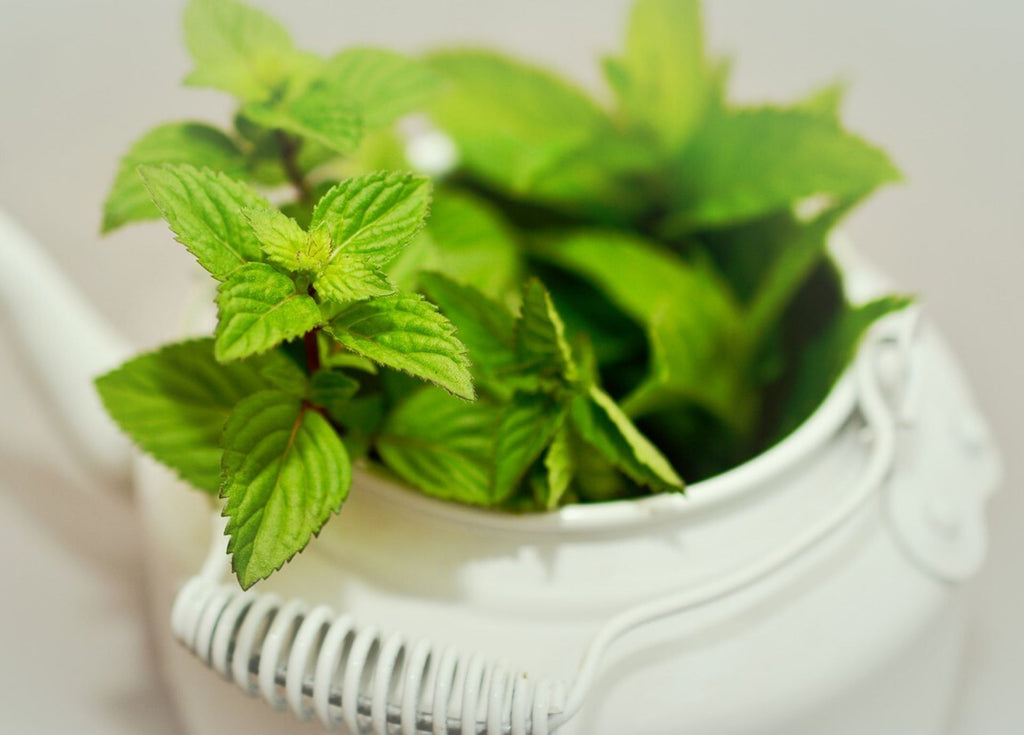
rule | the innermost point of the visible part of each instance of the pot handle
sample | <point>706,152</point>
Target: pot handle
<point>291,654</point>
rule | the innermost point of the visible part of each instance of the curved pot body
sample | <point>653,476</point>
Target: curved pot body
<point>859,633</point>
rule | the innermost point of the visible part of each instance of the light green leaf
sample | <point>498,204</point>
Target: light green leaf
<point>825,101</point>
<point>318,113</point>
<point>637,275</point>
<point>284,243</point>
<point>407,333</point>
<point>204,209</point>
<point>332,391</point>
<point>559,466</point>
<point>257,309</point>
<point>827,356</point>
<point>381,85</point>
<point>540,335</point>
<point>663,78</point>
<point>605,427</point>
<point>511,121</point>
<point>374,216</point>
<point>173,403</point>
<point>485,327</point>
<point>285,472</point>
<point>441,445</point>
<point>750,163</point>
<point>698,356</point>
<point>528,424</point>
<point>192,143</point>
<point>473,244</point>
<point>239,49</point>
<point>349,278</point>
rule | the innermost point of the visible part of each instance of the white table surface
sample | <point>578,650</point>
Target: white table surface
<point>937,82</point>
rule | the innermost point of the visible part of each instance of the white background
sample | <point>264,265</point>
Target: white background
<point>938,82</point>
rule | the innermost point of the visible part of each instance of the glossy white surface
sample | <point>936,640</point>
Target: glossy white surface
<point>933,81</point>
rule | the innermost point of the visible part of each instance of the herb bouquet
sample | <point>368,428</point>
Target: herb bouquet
<point>467,272</point>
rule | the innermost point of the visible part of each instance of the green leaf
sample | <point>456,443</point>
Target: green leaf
<point>663,78</point>
<point>374,216</point>
<point>204,209</point>
<point>540,335</point>
<point>473,244</point>
<point>381,85</point>
<point>698,356</point>
<point>528,424</point>
<point>825,101</point>
<point>559,467</point>
<point>285,472</point>
<point>637,275</point>
<point>318,113</point>
<point>350,278</point>
<point>485,327</point>
<point>749,163</point>
<point>694,325</point>
<point>284,243</point>
<point>257,309</point>
<point>603,425</point>
<point>239,49</point>
<point>333,392</point>
<point>441,445</point>
<point>790,269</point>
<point>827,356</point>
<point>406,332</point>
<point>192,143</point>
<point>511,121</point>
<point>173,403</point>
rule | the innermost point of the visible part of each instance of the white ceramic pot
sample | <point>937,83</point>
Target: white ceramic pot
<point>813,590</point>
<point>821,581</point>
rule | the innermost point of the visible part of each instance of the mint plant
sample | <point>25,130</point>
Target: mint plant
<point>595,302</point>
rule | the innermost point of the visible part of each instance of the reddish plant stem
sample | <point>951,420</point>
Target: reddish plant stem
<point>312,344</point>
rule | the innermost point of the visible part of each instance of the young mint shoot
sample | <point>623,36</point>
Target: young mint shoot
<point>597,301</point>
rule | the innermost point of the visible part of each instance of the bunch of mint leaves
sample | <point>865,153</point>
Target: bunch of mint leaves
<point>597,301</point>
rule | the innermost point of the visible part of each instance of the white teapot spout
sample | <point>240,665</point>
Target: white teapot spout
<point>66,343</point>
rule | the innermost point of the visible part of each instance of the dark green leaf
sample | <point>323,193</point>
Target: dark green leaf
<point>333,391</point>
<point>484,326</point>
<point>602,425</point>
<point>540,335</point>
<point>528,424</point>
<point>824,360</point>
